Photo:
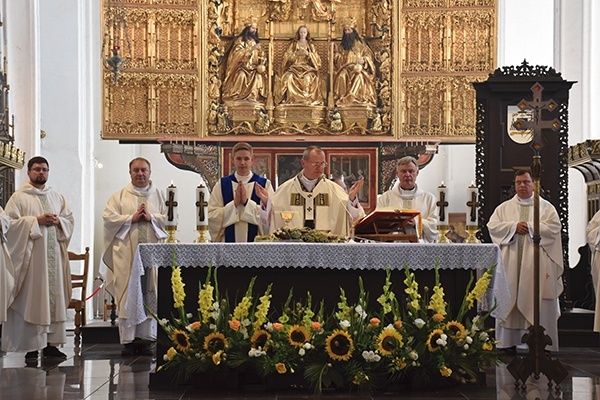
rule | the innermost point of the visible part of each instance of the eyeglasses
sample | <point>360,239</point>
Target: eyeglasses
<point>38,169</point>
<point>318,164</point>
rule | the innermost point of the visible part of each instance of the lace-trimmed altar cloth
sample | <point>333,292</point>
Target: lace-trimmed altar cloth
<point>361,256</point>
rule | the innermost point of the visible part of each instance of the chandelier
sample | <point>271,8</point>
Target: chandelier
<point>116,37</point>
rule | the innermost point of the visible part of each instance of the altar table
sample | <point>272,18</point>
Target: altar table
<point>295,259</point>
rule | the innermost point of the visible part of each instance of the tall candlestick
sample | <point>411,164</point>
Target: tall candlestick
<point>171,204</point>
<point>472,204</point>
<point>442,202</point>
<point>202,196</point>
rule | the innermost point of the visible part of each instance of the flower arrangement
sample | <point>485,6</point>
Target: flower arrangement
<point>354,346</point>
<point>301,235</point>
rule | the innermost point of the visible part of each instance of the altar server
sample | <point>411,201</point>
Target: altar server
<point>407,195</point>
<point>313,201</point>
<point>135,214</point>
<point>239,206</point>
<point>511,228</point>
<point>41,226</point>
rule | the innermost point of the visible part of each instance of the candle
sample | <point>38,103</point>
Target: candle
<point>472,203</point>
<point>171,205</point>
<point>442,201</point>
<point>276,181</point>
<point>202,196</point>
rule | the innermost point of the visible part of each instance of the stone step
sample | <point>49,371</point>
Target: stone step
<point>98,331</point>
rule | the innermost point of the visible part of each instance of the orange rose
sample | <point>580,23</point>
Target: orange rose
<point>438,317</point>
<point>195,325</point>
<point>280,367</point>
<point>375,321</point>
<point>234,324</point>
<point>315,326</point>
<point>277,326</point>
<point>398,324</point>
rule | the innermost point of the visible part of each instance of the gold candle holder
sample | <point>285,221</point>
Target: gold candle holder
<point>171,234</point>
<point>201,229</point>
<point>472,230</point>
<point>442,229</point>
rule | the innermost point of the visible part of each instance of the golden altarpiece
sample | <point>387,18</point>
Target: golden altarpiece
<point>190,73</point>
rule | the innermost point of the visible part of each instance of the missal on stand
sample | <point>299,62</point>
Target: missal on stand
<point>389,226</point>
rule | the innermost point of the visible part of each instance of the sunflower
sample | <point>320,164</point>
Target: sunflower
<point>457,329</point>
<point>339,345</point>
<point>388,341</point>
<point>215,342</point>
<point>181,340</point>
<point>260,339</point>
<point>298,335</point>
<point>432,339</point>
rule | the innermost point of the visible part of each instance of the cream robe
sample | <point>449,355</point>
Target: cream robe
<point>502,227</point>
<point>7,271</point>
<point>337,217</point>
<point>593,239</point>
<point>32,320</point>
<point>121,237</point>
<point>220,215</point>
<point>424,202</point>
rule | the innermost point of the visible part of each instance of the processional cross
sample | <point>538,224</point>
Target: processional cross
<point>171,204</point>
<point>201,203</point>
<point>537,361</point>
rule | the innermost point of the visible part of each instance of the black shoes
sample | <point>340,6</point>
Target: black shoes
<point>128,350</point>
<point>52,352</point>
<point>145,350</point>
<point>32,356</point>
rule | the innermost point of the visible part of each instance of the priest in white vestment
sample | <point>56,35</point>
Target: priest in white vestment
<point>314,201</point>
<point>41,226</point>
<point>7,272</point>
<point>593,239</point>
<point>407,195</point>
<point>135,214</point>
<point>239,206</point>
<point>511,228</point>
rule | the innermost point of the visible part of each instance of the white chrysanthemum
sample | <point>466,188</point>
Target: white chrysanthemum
<point>269,326</point>
<point>483,336</point>
<point>189,315</point>
<point>302,352</point>
<point>466,347</point>
<point>413,355</point>
<point>469,339</point>
<point>419,323</point>
<point>307,346</point>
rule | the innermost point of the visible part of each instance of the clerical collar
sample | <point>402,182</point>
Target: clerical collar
<point>141,189</point>
<point>528,201</point>
<point>407,193</point>
<point>243,179</point>
<point>308,184</point>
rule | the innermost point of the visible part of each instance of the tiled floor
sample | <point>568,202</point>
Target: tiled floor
<point>99,372</point>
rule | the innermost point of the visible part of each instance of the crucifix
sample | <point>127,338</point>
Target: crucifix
<point>472,204</point>
<point>201,203</point>
<point>537,361</point>
<point>171,204</point>
<point>442,204</point>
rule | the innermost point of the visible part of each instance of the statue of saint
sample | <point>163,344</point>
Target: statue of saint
<point>298,81</point>
<point>246,71</point>
<point>354,81</point>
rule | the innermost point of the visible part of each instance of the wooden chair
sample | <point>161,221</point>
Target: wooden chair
<point>79,281</point>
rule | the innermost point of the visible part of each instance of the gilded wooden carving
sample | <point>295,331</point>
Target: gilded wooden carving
<point>212,69</point>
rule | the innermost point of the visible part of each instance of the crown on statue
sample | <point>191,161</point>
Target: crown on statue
<point>251,20</point>
<point>349,22</point>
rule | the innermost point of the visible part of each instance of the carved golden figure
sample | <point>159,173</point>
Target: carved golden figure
<point>298,81</point>
<point>354,81</point>
<point>246,72</point>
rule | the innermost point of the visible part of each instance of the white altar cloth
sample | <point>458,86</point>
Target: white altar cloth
<point>362,256</point>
